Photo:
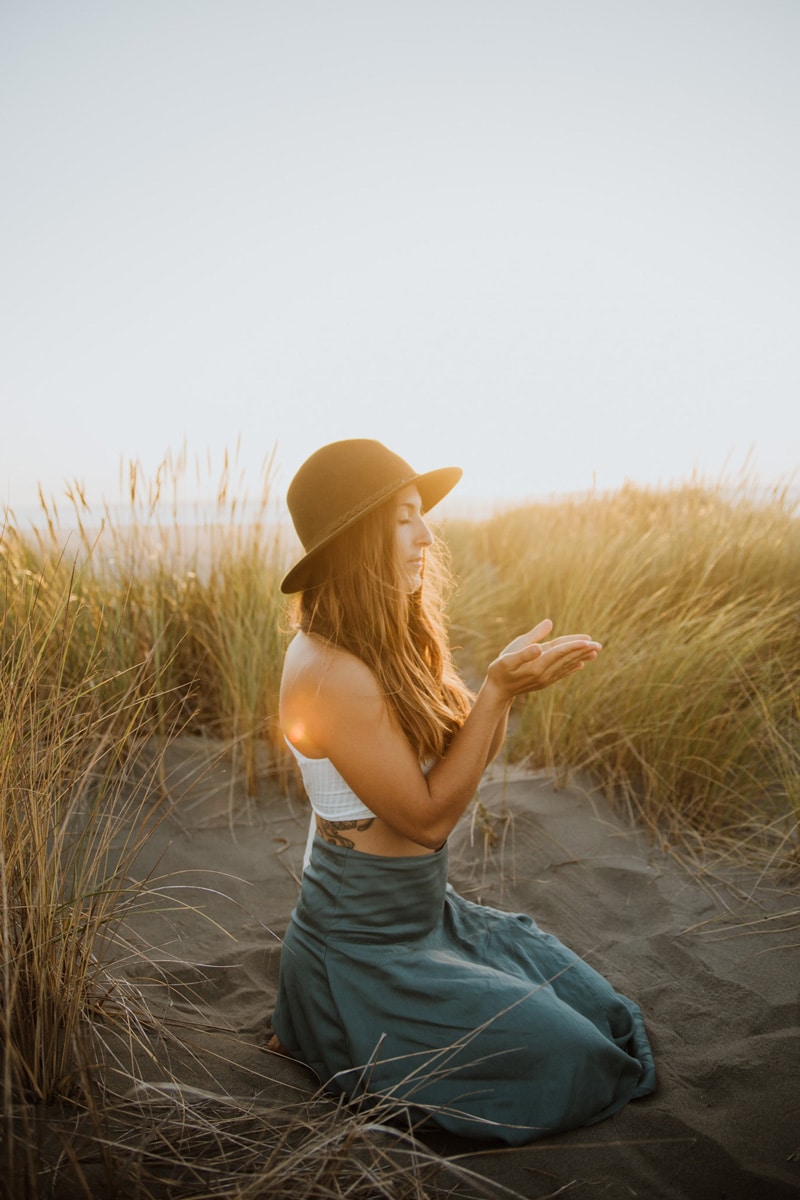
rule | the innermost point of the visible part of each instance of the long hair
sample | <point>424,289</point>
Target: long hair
<point>361,607</point>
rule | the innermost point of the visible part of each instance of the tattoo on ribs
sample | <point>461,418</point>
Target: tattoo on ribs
<point>334,831</point>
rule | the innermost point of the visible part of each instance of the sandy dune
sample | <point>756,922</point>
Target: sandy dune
<point>712,959</point>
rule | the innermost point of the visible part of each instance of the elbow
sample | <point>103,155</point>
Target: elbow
<point>430,843</point>
<point>433,835</point>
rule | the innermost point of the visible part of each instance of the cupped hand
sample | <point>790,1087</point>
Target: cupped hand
<point>528,664</point>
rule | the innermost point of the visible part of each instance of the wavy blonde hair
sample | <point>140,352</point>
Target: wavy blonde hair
<point>361,607</point>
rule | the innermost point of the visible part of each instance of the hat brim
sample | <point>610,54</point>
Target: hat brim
<point>433,486</point>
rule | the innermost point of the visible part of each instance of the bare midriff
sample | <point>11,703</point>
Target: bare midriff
<point>369,835</point>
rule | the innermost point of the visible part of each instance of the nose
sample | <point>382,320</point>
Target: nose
<point>424,536</point>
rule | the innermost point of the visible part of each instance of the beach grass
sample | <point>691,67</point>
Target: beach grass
<point>689,717</point>
<point>70,735</point>
<point>170,1140</point>
<point>119,629</point>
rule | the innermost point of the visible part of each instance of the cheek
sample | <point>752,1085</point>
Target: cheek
<point>397,549</point>
<point>403,541</point>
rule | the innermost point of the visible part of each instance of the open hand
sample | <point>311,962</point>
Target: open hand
<point>528,664</point>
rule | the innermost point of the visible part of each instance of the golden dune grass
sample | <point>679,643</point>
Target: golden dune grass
<point>692,712</point>
<point>690,716</point>
<point>127,628</point>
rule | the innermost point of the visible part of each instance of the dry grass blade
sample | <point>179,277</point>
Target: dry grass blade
<point>170,1140</point>
<point>691,716</point>
<point>117,629</point>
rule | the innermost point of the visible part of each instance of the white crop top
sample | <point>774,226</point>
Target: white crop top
<point>331,798</point>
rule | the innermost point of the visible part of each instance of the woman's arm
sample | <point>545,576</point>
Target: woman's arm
<point>346,718</point>
<point>498,738</point>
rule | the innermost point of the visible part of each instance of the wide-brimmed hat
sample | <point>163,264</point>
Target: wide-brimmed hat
<point>341,483</point>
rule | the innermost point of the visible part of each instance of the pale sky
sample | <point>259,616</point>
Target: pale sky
<point>555,242</point>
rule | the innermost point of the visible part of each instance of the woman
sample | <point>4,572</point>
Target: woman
<point>391,984</point>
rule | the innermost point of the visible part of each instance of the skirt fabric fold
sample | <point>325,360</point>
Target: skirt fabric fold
<point>394,986</point>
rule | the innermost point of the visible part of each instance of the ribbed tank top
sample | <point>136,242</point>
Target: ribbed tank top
<point>331,798</point>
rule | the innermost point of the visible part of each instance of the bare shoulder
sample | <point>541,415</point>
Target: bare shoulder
<point>321,683</point>
<point>311,662</point>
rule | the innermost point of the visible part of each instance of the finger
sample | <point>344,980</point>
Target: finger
<point>556,656</point>
<point>522,657</point>
<point>541,630</point>
<point>526,639</point>
<point>575,650</point>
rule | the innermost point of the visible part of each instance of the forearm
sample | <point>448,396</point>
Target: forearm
<point>454,780</point>
<point>356,729</point>
<point>499,737</point>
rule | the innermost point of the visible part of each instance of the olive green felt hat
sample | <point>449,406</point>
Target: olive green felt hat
<point>342,482</point>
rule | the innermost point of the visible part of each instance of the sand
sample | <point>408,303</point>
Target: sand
<point>712,958</point>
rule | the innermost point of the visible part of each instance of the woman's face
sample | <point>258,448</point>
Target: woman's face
<point>412,537</point>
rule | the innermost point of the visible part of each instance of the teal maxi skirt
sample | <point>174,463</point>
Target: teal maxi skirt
<point>393,986</point>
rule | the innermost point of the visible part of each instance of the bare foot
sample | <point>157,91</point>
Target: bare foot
<point>276,1046</point>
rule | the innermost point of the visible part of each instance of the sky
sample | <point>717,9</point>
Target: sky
<point>555,242</point>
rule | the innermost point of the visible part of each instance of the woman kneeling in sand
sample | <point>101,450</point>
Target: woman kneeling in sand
<point>391,984</point>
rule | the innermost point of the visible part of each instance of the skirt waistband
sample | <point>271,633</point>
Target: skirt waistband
<point>352,896</point>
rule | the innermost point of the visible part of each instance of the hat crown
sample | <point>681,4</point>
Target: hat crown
<point>340,481</point>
